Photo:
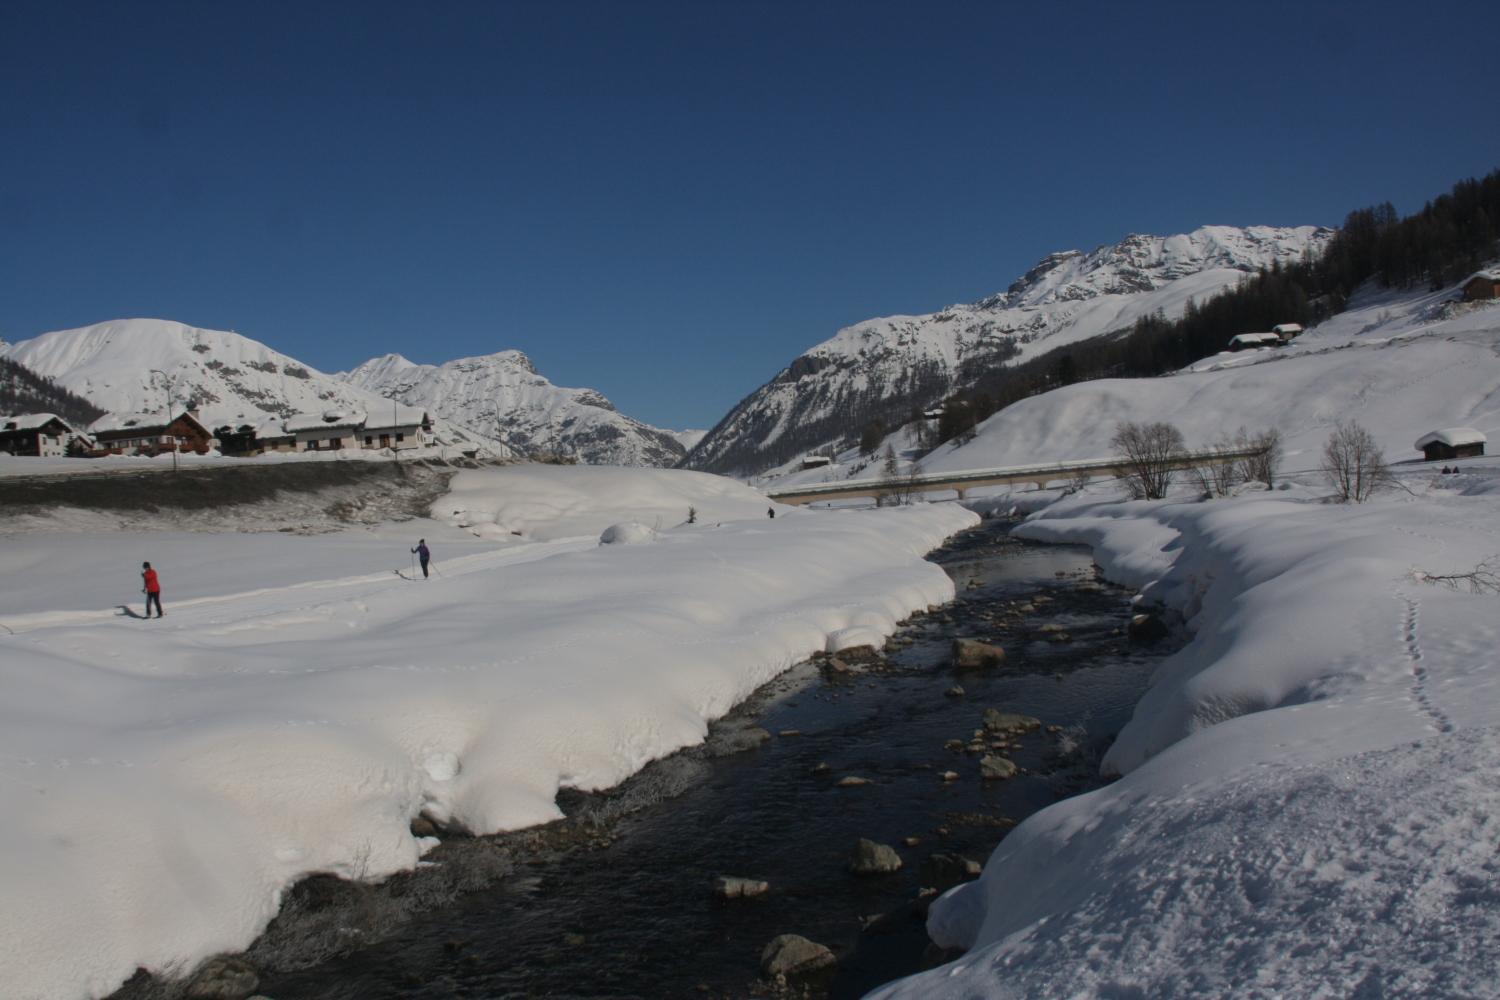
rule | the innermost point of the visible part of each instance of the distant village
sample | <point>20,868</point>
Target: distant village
<point>46,435</point>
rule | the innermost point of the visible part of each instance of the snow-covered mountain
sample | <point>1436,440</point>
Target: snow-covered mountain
<point>124,366</point>
<point>884,367</point>
<point>502,396</point>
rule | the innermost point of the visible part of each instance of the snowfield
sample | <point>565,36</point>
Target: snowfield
<point>166,780</point>
<point>1310,788</point>
<point>543,502</point>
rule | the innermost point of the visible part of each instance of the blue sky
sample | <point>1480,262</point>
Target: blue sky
<point>668,202</point>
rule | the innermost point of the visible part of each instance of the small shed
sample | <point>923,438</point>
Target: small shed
<point>1287,331</point>
<point>1250,341</point>
<point>1452,442</point>
<point>1481,285</point>
<point>150,434</point>
<point>40,435</point>
<point>815,461</point>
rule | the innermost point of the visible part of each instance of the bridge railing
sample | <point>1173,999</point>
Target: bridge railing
<point>1118,465</point>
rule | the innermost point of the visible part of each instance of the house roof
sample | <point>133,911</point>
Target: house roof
<point>1452,437</point>
<point>301,423</point>
<point>1492,274</point>
<point>1287,328</point>
<point>139,423</point>
<point>404,416</point>
<point>1254,338</point>
<point>31,422</point>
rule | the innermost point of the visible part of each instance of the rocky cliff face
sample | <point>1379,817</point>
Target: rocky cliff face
<point>884,367</point>
<point>502,396</point>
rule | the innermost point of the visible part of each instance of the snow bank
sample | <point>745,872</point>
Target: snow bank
<point>165,781</point>
<point>558,501</point>
<point>1310,786</point>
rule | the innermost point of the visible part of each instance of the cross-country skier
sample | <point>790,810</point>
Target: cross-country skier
<point>152,587</point>
<point>423,554</point>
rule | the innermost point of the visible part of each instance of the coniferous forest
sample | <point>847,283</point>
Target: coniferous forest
<point>1450,238</point>
<point>24,391</point>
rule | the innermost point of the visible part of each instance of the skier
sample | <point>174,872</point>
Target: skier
<point>771,512</point>
<point>152,587</point>
<point>423,554</point>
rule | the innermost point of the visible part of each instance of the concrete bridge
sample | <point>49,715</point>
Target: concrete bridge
<point>970,479</point>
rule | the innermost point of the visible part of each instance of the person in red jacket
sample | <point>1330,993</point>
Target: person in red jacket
<point>152,588</point>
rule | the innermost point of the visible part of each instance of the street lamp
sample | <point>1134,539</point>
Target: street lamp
<point>167,381</point>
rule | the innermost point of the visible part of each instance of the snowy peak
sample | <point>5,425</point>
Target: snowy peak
<point>885,367</point>
<point>501,395</point>
<point>1145,263</point>
<point>129,366</point>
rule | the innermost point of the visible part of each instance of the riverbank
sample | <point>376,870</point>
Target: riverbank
<point>1309,789</point>
<point>616,900</point>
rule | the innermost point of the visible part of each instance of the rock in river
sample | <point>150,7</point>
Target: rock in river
<point>223,979</point>
<point>1147,628</point>
<point>793,955</point>
<point>997,721</point>
<point>993,768</point>
<point>973,653</point>
<point>871,858</point>
<point>731,887</point>
<point>943,871</point>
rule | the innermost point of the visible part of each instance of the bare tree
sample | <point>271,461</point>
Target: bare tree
<point>1218,480</point>
<point>1263,467</point>
<point>1482,579</point>
<point>890,468</point>
<point>1150,450</point>
<point>1354,465</point>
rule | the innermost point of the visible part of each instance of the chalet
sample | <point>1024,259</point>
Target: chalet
<point>1250,341</point>
<point>815,461</point>
<point>1287,331</point>
<point>1452,442</point>
<point>43,435</point>
<point>149,434</point>
<point>1481,285</point>
<point>401,427</point>
<point>247,440</point>
<point>326,431</point>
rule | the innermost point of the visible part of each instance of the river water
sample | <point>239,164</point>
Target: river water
<point>628,911</point>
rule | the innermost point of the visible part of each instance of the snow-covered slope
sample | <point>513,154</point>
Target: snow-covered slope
<point>502,396</point>
<point>1400,364</point>
<point>233,379</point>
<point>882,367</point>
<point>168,780</point>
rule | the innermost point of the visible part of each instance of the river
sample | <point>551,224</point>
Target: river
<point>624,908</point>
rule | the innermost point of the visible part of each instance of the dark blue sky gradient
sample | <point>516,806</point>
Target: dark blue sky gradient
<point>668,202</point>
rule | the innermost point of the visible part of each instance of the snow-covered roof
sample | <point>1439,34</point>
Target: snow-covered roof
<point>142,423</point>
<point>1491,274</point>
<point>1452,437</point>
<point>1287,328</point>
<point>31,421</point>
<point>1255,338</point>
<point>299,423</point>
<point>404,416</point>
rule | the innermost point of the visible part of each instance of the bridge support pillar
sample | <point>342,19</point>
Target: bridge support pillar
<point>962,493</point>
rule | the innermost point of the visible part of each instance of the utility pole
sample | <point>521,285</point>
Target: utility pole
<point>167,382</point>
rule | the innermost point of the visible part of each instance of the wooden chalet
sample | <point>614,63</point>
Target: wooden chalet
<point>1452,442</point>
<point>247,440</point>
<point>1480,286</point>
<point>149,434</point>
<point>40,435</point>
<point>1250,341</point>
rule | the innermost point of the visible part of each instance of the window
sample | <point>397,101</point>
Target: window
<point>400,437</point>
<point>335,442</point>
<point>369,439</point>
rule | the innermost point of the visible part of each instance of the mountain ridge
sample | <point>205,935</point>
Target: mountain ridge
<point>884,367</point>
